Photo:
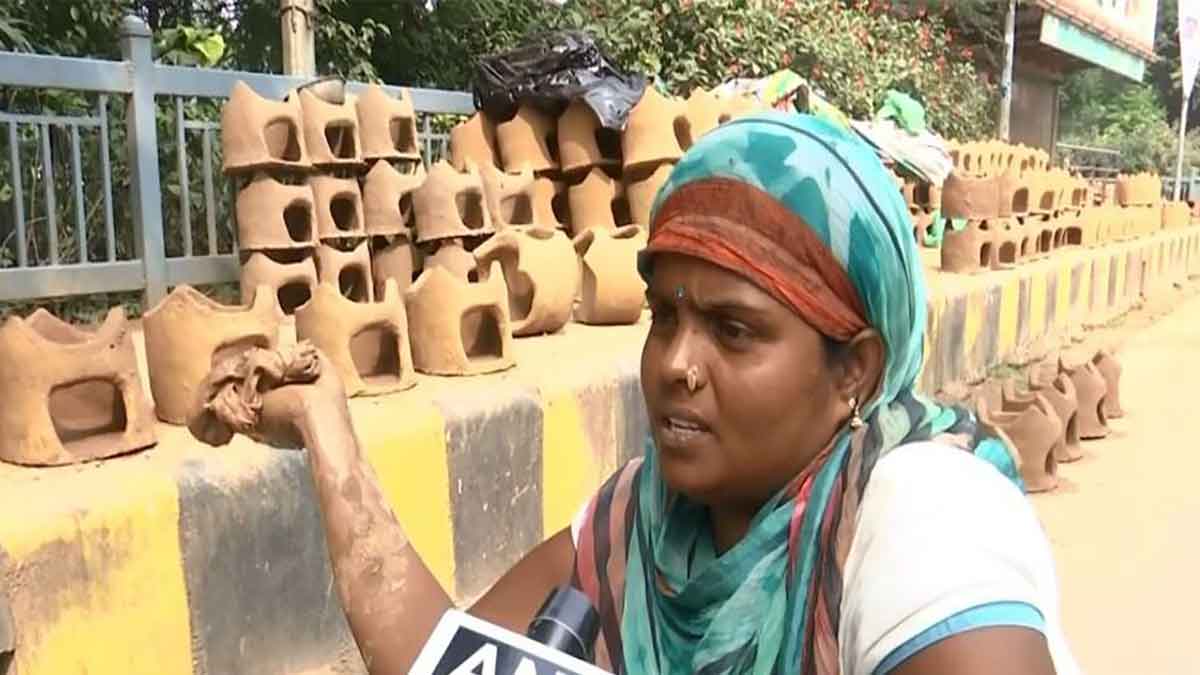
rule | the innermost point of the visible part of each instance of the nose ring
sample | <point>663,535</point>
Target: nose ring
<point>693,378</point>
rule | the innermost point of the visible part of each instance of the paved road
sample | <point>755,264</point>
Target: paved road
<point>1125,524</point>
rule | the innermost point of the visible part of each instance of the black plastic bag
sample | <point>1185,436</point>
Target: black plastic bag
<point>552,70</point>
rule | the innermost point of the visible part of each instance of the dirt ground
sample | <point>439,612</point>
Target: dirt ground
<point>1124,521</point>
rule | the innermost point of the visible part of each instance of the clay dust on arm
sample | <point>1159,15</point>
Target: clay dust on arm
<point>293,398</point>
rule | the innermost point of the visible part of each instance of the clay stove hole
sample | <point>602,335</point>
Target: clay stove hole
<point>470,208</point>
<point>1008,252</point>
<point>1020,200</point>
<point>405,207</point>
<point>283,140</point>
<point>683,133</point>
<point>345,215</point>
<point>401,132</point>
<point>985,255</point>
<point>481,334</point>
<point>87,413</point>
<point>297,217</point>
<point>340,138</point>
<point>517,209</point>
<point>293,295</point>
<point>520,287</point>
<point>376,354</point>
<point>1045,241</point>
<point>609,143</point>
<point>352,283</point>
<point>622,215</point>
<point>921,194</point>
<point>561,207</point>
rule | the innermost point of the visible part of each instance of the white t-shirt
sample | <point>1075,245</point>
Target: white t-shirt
<point>944,544</point>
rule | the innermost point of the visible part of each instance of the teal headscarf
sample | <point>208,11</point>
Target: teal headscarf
<point>771,603</point>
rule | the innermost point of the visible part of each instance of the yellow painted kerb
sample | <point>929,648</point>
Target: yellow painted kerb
<point>1062,299</point>
<point>97,581</point>
<point>1037,303</point>
<point>570,471</point>
<point>1010,301</point>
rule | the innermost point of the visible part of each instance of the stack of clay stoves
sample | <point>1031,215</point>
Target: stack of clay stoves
<point>1001,205</point>
<point>299,208</point>
<point>516,162</point>
<point>598,183</point>
<point>304,235</point>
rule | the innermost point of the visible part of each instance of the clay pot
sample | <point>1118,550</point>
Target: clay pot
<point>510,197</point>
<point>70,396</point>
<point>598,202</point>
<point>188,332</point>
<point>257,133</point>
<point>366,342</point>
<point>612,291</point>
<point>331,131</point>
<point>1058,390</point>
<point>650,132</point>
<point>457,327</point>
<point>272,215</point>
<point>582,143</point>
<point>641,188</point>
<point>540,272</point>
<point>971,197</point>
<point>338,205</point>
<point>1090,391</point>
<point>1110,369</point>
<point>527,141</point>
<point>450,204</point>
<point>475,141</point>
<point>395,259</point>
<point>346,266</point>
<point>1035,431</point>
<point>291,278</point>
<point>387,199</point>
<point>387,125</point>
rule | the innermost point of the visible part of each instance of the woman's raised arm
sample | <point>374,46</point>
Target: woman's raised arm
<point>293,398</point>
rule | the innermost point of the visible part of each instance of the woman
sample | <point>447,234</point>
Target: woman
<point>799,508</point>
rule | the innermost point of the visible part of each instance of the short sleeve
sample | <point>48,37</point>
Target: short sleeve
<point>944,544</point>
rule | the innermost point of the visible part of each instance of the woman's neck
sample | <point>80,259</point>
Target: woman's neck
<point>729,525</point>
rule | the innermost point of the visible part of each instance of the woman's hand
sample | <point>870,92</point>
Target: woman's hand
<point>270,395</point>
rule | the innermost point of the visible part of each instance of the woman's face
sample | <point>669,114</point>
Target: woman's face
<point>766,402</point>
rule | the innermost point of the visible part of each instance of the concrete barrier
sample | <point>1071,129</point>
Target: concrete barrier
<point>188,559</point>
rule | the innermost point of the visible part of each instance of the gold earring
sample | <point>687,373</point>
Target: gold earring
<point>856,420</point>
<point>693,377</point>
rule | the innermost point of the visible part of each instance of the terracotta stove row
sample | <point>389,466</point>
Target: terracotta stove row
<point>1066,400</point>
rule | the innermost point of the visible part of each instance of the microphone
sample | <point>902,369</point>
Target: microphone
<point>561,640</point>
<point>568,623</point>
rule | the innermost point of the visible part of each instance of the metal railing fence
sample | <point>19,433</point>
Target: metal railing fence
<point>127,194</point>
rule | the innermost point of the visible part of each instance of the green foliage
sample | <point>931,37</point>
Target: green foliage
<point>190,46</point>
<point>854,52</point>
<point>1101,109</point>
